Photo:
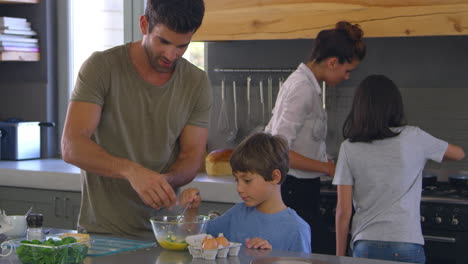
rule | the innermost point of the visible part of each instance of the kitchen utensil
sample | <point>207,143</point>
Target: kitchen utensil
<point>21,140</point>
<point>324,98</point>
<point>233,134</point>
<point>181,216</point>
<point>248,97</point>
<point>280,83</point>
<point>270,96</point>
<point>261,126</point>
<point>223,121</point>
<point>171,234</point>
<point>262,101</point>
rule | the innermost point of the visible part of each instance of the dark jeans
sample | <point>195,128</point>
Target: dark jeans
<point>303,195</point>
<point>394,251</point>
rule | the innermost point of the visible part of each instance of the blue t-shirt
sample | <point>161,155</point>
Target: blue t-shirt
<point>284,230</point>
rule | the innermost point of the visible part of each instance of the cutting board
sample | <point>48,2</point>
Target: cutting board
<point>103,246</point>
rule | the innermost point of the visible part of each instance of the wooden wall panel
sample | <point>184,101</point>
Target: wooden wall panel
<point>297,19</point>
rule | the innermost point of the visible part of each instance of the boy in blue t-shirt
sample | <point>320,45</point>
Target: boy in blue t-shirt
<point>260,164</point>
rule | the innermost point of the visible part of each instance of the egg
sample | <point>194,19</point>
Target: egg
<point>209,243</point>
<point>222,240</point>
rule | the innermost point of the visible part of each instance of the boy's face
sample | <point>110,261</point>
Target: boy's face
<point>253,189</point>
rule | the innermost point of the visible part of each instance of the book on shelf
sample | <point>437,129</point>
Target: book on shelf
<point>19,56</point>
<point>16,26</point>
<point>17,23</point>
<point>16,38</point>
<point>18,32</point>
<point>26,49</point>
<point>18,44</point>
<point>6,20</point>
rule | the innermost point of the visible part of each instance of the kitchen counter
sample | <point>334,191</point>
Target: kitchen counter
<point>55,174</point>
<point>158,255</point>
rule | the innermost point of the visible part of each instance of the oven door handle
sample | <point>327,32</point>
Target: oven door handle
<point>450,240</point>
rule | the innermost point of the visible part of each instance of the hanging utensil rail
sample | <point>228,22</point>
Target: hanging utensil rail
<point>253,70</point>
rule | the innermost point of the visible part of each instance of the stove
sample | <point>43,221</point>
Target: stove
<point>444,221</point>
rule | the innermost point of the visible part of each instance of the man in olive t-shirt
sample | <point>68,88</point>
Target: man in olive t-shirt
<point>137,122</point>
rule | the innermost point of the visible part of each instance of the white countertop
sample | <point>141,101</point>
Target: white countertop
<point>55,174</point>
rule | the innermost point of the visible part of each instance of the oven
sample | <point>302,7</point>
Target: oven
<point>444,222</point>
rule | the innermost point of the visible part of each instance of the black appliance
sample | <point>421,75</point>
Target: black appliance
<point>444,219</point>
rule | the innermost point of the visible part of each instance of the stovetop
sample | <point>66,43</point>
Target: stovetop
<point>442,192</point>
<point>445,190</point>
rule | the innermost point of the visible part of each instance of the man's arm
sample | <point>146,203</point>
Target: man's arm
<point>192,151</point>
<point>78,149</point>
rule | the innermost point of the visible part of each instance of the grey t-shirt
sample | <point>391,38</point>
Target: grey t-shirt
<point>386,177</point>
<point>140,122</point>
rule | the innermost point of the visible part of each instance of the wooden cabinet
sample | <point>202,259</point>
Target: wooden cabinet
<point>298,19</point>
<point>60,208</point>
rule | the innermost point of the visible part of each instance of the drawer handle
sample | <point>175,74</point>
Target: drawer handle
<point>450,240</point>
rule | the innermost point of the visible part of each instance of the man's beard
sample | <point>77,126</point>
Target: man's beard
<point>153,60</point>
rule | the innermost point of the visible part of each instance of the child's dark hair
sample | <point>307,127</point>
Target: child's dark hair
<point>377,106</point>
<point>344,42</point>
<point>181,16</point>
<point>262,153</point>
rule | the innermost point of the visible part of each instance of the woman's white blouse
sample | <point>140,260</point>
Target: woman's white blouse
<point>298,116</point>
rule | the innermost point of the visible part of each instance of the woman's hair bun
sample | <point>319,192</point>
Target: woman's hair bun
<point>354,32</point>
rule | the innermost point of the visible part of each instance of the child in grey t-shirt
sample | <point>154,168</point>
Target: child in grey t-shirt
<point>379,170</point>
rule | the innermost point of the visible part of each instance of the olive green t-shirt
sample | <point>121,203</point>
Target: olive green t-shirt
<point>140,122</point>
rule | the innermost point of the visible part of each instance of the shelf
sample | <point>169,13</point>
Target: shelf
<point>19,56</point>
<point>19,1</point>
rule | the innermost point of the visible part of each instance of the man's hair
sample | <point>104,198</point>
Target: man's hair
<point>262,153</point>
<point>181,16</point>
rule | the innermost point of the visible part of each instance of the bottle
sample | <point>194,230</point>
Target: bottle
<point>35,227</point>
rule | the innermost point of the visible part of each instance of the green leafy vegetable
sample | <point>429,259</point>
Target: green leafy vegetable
<point>52,252</point>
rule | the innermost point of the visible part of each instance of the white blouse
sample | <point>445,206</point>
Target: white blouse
<point>298,116</point>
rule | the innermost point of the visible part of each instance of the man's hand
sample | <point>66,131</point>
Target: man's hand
<point>190,195</point>
<point>258,243</point>
<point>152,188</point>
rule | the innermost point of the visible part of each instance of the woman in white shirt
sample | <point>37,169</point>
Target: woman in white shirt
<point>299,117</point>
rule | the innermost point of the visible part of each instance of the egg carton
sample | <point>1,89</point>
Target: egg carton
<point>197,251</point>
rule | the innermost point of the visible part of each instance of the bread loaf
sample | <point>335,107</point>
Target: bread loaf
<point>217,162</point>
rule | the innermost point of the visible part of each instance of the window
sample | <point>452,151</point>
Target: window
<point>95,25</point>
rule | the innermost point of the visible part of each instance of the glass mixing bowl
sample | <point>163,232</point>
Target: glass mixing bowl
<point>171,233</point>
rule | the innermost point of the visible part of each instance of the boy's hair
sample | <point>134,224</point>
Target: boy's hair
<point>262,153</point>
<point>377,107</point>
<point>181,16</point>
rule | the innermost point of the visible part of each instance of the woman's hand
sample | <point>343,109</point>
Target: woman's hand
<point>330,165</point>
<point>258,243</point>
